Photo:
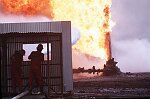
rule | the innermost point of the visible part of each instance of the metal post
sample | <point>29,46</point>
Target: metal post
<point>48,67</point>
<point>61,66</point>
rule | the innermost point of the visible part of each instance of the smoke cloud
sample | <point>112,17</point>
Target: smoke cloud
<point>86,61</point>
<point>9,18</point>
<point>130,37</point>
<point>75,35</point>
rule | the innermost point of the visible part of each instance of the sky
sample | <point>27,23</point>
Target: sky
<point>130,37</point>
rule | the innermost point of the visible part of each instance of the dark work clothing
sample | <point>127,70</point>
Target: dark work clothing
<point>16,71</point>
<point>35,69</point>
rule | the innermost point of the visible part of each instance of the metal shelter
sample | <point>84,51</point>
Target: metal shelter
<point>57,66</point>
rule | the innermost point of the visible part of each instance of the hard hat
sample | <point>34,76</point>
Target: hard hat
<point>40,46</point>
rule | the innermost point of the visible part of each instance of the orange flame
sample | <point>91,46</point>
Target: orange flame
<point>27,7</point>
<point>91,17</point>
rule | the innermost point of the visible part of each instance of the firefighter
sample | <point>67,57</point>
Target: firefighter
<point>36,58</point>
<point>16,71</point>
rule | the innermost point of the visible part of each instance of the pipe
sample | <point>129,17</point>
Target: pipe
<point>21,95</point>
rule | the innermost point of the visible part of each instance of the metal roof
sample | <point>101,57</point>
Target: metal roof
<point>54,26</point>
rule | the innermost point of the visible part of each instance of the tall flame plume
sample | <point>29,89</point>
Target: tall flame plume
<point>91,17</point>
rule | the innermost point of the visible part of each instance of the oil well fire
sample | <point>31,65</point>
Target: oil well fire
<point>91,18</point>
<point>109,68</point>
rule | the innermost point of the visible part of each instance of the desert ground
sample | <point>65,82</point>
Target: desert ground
<point>124,85</point>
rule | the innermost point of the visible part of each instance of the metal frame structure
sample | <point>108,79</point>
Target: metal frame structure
<point>53,71</point>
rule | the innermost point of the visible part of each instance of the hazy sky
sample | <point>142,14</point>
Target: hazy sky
<point>131,35</point>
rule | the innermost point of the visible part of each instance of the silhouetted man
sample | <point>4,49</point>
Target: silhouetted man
<point>16,71</point>
<point>36,58</point>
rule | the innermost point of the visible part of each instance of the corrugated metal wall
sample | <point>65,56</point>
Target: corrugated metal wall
<point>3,62</point>
<point>31,27</point>
<point>52,70</point>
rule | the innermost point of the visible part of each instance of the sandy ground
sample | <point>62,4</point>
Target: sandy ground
<point>126,85</point>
